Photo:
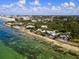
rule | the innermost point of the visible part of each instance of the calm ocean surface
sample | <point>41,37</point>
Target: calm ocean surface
<point>28,47</point>
<point>7,33</point>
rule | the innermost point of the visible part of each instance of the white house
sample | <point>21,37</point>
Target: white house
<point>43,31</point>
<point>34,20</point>
<point>53,34</point>
<point>44,26</point>
<point>17,27</point>
<point>30,26</point>
<point>40,30</point>
<point>26,18</point>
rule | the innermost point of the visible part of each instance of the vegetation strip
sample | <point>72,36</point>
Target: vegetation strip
<point>69,47</point>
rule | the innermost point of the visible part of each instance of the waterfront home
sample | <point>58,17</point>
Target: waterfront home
<point>9,24</point>
<point>65,37</point>
<point>39,30</point>
<point>17,27</point>
<point>43,31</point>
<point>49,32</point>
<point>53,34</point>
<point>30,26</point>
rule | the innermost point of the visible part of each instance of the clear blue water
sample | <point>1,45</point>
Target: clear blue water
<point>7,33</point>
<point>32,48</point>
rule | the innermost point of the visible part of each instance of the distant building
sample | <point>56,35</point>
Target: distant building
<point>39,30</point>
<point>65,19</point>
<point>17,27</point>
<point>26,18</point>
<point>39,20</point>
<point>65,36</point>
<point>30,26</point>
<point>34,21</point>
<point>43,31</point>
<point>44,26</point>
<point>53,34</point>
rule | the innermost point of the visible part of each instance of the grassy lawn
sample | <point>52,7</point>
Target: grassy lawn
<point>8,53</point>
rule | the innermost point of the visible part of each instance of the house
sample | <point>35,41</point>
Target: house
<point>65,37</point>
<point>53,34</point>
<point>26,18</point>
<point>34,21</point>
<point>17,27</point>
<point>49,32</point>
<point>39,30</point>
<point>44,26</point>
<point>43,31</point>
<point>9,24</point>
<point>19,24</point>
<point>30,27</point>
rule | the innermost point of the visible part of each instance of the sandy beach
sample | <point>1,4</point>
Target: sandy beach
<point>66,46</point>
<point>51,41</point>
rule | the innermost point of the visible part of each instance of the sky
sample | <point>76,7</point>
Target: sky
<point>39,7</point>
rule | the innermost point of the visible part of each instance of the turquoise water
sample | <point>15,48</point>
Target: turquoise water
<point>28,47</point>
<point>7,33</point>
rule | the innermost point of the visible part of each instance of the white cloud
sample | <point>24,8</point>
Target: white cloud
<point>53,8</point>
<point>21,3</point>
<point>35,3</point>
<point>72,4</point>
<point>36,8</point>
<point>49,4</point>
<point>7,6</point>
<point>57,8</point>
<point>65,5</point>
<point>69,5</point>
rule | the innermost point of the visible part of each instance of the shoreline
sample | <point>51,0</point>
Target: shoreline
<point>50,41</point>
<point>63,45</point>
<point>7,19</point>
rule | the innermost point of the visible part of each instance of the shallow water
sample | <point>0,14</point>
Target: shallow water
<point>29,47</point>
<point>6,32</point>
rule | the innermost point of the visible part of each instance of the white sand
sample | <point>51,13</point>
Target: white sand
<point>58,43</point>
